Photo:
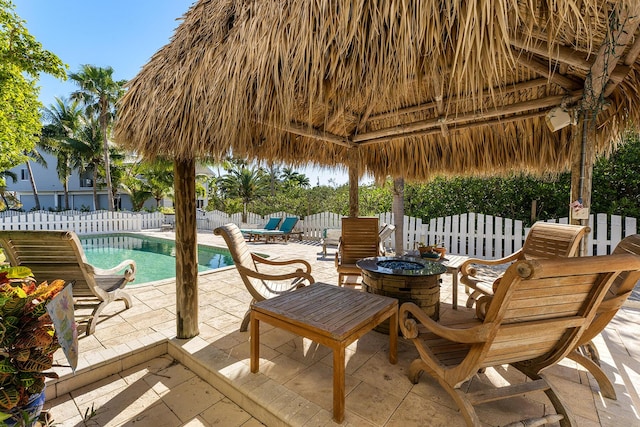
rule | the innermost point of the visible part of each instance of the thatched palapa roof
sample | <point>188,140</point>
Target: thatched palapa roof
<point>409,88</point>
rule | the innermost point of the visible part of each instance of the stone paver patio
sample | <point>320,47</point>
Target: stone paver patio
<point>133,371</point>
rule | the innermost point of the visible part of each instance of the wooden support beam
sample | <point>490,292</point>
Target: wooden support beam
<point>354,205</point>
<point>521,107</point>
<point>622,71</point>
<point>557,53</point>
<point>186,249</point>
<point>494,122</point>
<point>543,69</point>
<point>609,54</point>
<point>430,105</point>
<point>311,132</point>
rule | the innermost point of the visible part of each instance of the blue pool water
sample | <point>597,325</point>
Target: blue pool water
<point>155,258</point>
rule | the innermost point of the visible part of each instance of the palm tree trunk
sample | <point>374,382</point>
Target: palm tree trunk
<point>105,147</point>
<point>33,185</point>
<point>96,203</point>
<point>398,213</point>
<point>65,185</point>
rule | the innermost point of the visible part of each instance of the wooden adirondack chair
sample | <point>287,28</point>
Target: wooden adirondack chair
<point>359,239</point>
<point>59,255</point>
<point>262,285</point>
<point>545,240</point>
<point>585,352</point>
<point>539,314</point>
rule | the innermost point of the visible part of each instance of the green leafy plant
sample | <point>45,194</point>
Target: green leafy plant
<point>27,336</point>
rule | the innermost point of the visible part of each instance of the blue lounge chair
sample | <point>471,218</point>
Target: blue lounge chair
<point>284,231</point>
<point>271,225</point>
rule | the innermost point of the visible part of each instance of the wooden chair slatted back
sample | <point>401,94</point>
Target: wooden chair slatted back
<point>548,240</point>
<point>359,239</point>
<point>543,306</point>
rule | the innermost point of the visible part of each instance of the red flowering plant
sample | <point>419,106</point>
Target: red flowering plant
<point>27,336</point>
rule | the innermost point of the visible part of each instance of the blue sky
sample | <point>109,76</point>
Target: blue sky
<point>117,33</point>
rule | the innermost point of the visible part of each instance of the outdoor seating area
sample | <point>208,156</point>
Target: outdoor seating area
<point>134,357</point>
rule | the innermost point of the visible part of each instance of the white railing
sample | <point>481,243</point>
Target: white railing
<point>471,234</point>
<point>97,222</point>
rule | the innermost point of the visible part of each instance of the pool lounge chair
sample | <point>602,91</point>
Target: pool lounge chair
<point>59,255</point>
<point>291,274</point>
<point>253,233</point>
<point>284,231</point>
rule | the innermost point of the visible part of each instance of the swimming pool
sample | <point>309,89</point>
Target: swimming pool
<point>155,258</point>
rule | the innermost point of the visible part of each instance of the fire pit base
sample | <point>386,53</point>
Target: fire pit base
<point>405,278</point>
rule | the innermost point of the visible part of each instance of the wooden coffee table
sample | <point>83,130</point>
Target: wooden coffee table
<point>331,316</point>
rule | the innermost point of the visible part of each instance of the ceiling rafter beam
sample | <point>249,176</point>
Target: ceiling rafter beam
<point>557,53</point>
<point>426,132</point>
<point>554,77</point>
<point>430,105</point>
<point>311,132</point>
<point>520,107</point>
<point>609,54</point>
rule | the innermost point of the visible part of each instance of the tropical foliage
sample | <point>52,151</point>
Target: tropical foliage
<point>27,336</point>
<point>22,59</point>
<point>99,93</point>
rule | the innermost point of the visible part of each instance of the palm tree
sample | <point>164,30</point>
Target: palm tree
<point>64,119</point>
<point>99,93</point>
<point>88,145</point>
<point>158,176</point>
<point>294,178</point>
<point>245,183</point>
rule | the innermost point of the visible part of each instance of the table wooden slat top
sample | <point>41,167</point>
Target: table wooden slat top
<point>336,312</point>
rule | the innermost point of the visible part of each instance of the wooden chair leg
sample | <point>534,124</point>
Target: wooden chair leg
<point>606,387</point>
<point>244,326</point>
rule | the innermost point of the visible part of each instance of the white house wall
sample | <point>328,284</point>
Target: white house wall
<point>51,192</point>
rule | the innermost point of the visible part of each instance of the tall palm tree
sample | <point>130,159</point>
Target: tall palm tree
<point>64,119</point>
<point>245,183</point>
<point>99,92</point>
<point>88,145</point>
<point>293,178</point>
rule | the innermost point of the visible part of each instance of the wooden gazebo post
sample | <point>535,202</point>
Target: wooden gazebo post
<point>598,85</point>
<point>186,248</point>
<point>354,208</point>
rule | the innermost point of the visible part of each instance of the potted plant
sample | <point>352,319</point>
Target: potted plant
<point>27,344</point>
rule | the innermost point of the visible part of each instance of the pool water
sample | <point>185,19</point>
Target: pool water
<point>155,258</point>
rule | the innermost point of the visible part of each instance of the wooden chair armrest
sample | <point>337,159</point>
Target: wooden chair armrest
<point>409,327</point>
<point>129,273</point>
<point>298,274</point>
<point>258,258</point>
<point>466,269</point>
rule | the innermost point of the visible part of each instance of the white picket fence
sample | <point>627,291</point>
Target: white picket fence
<point>471,234</point>
<point>478,235</point>
<point>96,222</point>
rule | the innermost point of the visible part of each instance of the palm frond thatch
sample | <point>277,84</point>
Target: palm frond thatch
<point>410,88</point>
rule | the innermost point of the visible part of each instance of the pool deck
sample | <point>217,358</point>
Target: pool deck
<point>133,371</point>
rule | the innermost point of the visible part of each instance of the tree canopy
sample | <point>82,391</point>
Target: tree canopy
<point>22,59</point>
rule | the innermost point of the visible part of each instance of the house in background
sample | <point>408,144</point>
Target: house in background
<point>51,191</point>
